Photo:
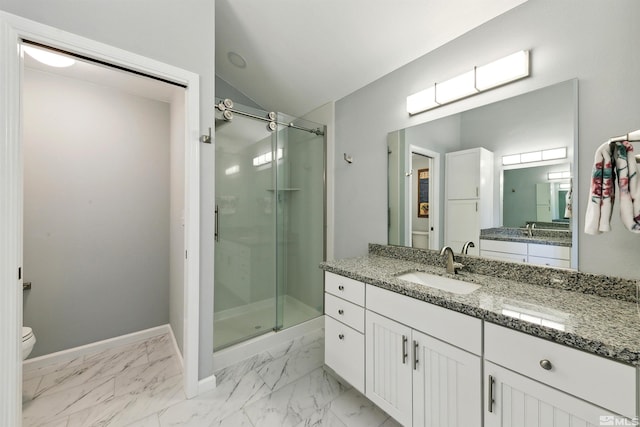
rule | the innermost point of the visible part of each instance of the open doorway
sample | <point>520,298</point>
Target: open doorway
<point>15,30</point>
<point>423,188</point>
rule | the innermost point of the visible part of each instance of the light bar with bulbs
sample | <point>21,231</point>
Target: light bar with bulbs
<point>489,76</point>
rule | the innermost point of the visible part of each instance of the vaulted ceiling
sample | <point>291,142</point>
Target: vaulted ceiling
<point>301,54</point>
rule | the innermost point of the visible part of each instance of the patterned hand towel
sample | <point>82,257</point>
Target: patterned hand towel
<point>627,172</point>
<point>598,217</point>
<point>602,195</point>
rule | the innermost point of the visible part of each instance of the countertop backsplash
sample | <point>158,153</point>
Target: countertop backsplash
<point>570,280</point>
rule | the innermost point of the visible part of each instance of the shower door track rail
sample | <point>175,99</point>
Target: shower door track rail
<point>270,118</point>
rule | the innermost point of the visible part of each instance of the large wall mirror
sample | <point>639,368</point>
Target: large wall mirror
<point>521,194</point>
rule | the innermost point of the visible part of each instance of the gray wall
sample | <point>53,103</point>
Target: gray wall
<point>568,39</point>
<point>167,31</point>
<point>225,90</point>
<point>96,211</point>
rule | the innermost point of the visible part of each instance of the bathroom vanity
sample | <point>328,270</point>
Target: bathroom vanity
<point>509,353</point>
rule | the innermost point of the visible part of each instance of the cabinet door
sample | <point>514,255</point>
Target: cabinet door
<point>462,224</point>
<point>388,366</point>
<point>344,352</point>
<point>447,389</point>
<point>463,175</point>
<point>520,401</point>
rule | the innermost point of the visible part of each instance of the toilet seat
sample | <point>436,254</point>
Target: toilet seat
<point>27,333</point>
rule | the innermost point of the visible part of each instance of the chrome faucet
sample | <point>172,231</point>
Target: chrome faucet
<point>529,233</point>
<point>466,246</point>
<point>449,253</point>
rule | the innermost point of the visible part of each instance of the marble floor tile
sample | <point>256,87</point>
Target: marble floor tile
<point>159,347</point>
<point>125,409</point>
<point>239,419</point>
<point>355,410</point>
<point>105,364</point>
<point>296,402</point>
<point>216,405</point>
<point>148,376</point>
<point>296,344</point>
<point>238,370</point>
<point>322,418</point>
<point>390,422</point>
<point>150,421</point>
<point>293,365</point>
<point>67,402</point>
<point>60,422</point>
<point>29,372</point>
<point>29,387</point>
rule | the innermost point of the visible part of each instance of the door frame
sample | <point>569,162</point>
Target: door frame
<point>434,194</point>
<point>12,30</point>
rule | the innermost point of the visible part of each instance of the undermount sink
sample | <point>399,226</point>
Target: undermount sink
<point>439,282</point>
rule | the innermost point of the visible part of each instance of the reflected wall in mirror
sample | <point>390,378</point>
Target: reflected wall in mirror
<point>534,195</point>
<point>522,194</point>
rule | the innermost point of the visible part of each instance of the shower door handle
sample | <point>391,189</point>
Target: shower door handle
<point>216,234</point>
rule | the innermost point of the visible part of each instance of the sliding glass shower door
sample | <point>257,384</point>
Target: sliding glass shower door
<point>269,225</point>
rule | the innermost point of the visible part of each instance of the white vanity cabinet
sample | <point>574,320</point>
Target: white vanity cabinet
<point>469,197</point>
<point>531,381</point>
<point>411,372</point>
<point>344,328</point>
<point>534,253</point>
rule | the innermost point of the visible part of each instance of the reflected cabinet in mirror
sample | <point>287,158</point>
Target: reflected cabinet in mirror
<point>498,176</point>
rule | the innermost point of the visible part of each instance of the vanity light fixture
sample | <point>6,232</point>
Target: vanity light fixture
<point>559,175</point>
<point>535,156</point>
<point>49,58</point>
<point>489,76</point>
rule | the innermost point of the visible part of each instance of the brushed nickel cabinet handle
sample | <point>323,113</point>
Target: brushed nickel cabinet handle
<point>341,311</point>
<point>404,349</point>
<point>341,288</point>
<point>341,336</point>
<point>416,347</point>
<point>490,398</point>
<point>546,364</point>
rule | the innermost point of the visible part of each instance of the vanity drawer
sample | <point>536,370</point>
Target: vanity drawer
<point>553,262</point>
<point>348,313</point>
<point>609,384</point>
<point>455,328</point>
<point>549,251</point>
<point>503,256</point>
<point>344,352</point>
<point>502,246</point>
<point>345,288</point>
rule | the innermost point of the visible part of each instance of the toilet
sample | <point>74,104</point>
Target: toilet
<point>28,340</point>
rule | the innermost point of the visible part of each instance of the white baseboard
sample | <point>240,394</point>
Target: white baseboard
<point>246,349</point>
<point>176,348</point>
<point>96,347</point>
<point>207,384</point>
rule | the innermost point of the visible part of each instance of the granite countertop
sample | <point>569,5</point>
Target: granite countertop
<point>600,325</point>
<point>555,241</point>
<point>540,236</point>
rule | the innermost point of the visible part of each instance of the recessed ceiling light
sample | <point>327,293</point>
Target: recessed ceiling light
<point>49,58</point>
<point>237,59</point>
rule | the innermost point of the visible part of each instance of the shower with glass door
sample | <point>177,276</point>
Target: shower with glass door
<point>270,222</point>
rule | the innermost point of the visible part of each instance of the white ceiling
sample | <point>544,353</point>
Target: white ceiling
<point>301,54</point>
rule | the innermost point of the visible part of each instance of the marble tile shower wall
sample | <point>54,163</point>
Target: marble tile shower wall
<point>140,385</point>
<point>594,284</point>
